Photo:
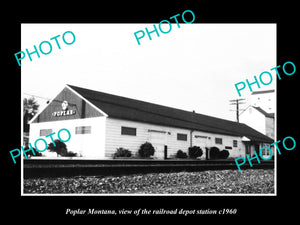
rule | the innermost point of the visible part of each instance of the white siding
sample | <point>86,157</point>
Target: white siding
<point>254,119</point>
<point>208,140</point>
<point>87,145</point>
<point>266,101</point>
<point>145,132</point>
<point>270,127</point>
<point>106,137</point>
<point>163,136</point>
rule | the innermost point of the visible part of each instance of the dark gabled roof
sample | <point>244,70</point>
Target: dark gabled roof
<point>270,115</point>
<point>135,110</point>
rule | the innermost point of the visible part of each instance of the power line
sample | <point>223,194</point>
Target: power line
<point>237,102</point>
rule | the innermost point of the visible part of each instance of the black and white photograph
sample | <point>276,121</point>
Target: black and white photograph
<point>159,117</point>
<point>142,111</point>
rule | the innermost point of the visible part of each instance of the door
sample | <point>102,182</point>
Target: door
<point>159,151</point>
<point>158,140</point>
<point>248,149</point>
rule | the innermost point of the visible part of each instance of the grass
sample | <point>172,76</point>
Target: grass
<point>205,182</point>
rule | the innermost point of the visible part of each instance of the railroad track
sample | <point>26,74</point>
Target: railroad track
<point>34,168</point>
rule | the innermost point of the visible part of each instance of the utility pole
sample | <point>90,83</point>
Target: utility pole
<point>237,102</point>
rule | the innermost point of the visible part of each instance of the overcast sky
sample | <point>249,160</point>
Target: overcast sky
<point>193,67</point>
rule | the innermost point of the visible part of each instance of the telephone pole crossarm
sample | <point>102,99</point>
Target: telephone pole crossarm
<point>237,102</point>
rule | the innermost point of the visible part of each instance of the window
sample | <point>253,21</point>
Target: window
<point>181,137</point>
<point>45,132</point>
<point>128,131</point>
<point>83,130</point>
<point>218,140</point>
<point>235,143</point>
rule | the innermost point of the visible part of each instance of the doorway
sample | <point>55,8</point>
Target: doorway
<point>248,149</point>
<point>158,140</point>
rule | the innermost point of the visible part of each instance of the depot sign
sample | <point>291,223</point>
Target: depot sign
<point>65,111</point>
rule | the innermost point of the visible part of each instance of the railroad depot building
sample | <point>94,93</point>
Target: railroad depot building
<point>100,123</point>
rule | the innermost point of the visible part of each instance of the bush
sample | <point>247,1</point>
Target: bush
<point>70,154</point>
<point>223,154</point>
<point>122,152</point>
<point>181,155</point>
<point>60,148</point>
<point>146,150</point>
<point>195,152</point>
<point>214,153</point>
<point>30,153</point>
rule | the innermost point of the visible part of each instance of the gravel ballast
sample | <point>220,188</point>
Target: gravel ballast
<point>260,181</point>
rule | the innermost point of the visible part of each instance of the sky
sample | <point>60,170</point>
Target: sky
<point>194,67</point>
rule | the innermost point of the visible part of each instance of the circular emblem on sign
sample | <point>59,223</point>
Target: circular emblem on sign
<point>64,105</point>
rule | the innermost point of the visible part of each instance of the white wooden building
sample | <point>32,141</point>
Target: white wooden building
<point>260,113</point>
<point>100,123</point>
<point>266,100</point>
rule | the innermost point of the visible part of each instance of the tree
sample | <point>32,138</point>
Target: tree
<point>30,108</point>
<point>223,154</point>
<point>214,153</point>
<point>181,155</point>
<point>195,152</point>
<point>122,152</point>
<point>60,148</point>
<point>146,150</point>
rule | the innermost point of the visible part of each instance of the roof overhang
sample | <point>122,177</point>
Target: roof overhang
<point>244,138</point>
